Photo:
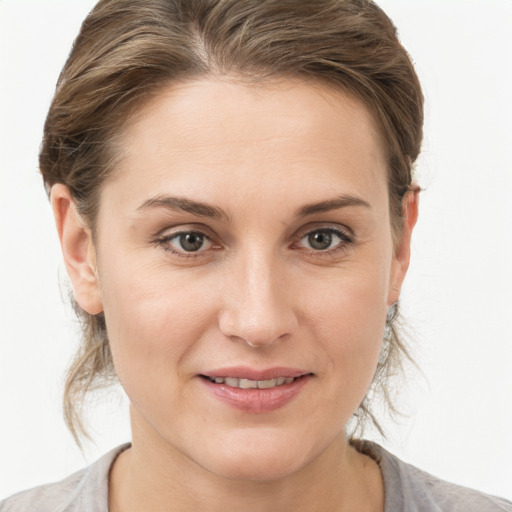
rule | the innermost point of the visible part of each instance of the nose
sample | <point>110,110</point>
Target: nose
<point>257,307</point>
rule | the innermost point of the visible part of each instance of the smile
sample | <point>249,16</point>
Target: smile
<point>251,384</point>
<point>256,391</point>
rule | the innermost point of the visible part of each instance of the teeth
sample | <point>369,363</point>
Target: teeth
<point>248,384</point>
<point>252,384</point>
<point>265,384</point>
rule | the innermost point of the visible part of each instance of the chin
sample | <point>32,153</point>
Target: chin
<point>256,468</point>
<point>263,457</point>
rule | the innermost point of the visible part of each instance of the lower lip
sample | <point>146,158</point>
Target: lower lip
<point>257,400</point>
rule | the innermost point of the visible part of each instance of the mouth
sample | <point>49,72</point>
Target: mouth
<point>256,391</point>
<point>235,382</point>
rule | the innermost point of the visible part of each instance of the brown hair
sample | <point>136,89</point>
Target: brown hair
<point>128,50</point>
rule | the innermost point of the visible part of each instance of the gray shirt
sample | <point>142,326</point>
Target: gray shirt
<point>407,489</point>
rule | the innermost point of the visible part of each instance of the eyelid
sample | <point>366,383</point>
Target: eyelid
<point>177,236</point>
<point>344,231</point>
<point>164,237</point>
<point>178,228</point>
<point>347,239</point>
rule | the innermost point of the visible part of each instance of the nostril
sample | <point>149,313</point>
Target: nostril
<point>257,333</point>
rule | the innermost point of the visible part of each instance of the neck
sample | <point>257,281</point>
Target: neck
<point>154,476</point>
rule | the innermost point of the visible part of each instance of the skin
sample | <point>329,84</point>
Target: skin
<point>257,293</point>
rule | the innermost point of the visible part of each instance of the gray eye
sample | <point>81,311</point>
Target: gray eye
<point>325,240</point>
<point>191,242</point>
<point>187,243</point>
<point>320,240</point>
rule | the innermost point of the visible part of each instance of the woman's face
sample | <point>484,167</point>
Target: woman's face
<point>244,241</point>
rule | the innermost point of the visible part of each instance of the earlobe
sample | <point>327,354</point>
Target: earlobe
<point>402,255</point>
<point>77,249</point>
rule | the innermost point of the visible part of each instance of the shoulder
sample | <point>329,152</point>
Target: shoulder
<point>421,492</point>
<point>410,489</point>
<point>86,489</point>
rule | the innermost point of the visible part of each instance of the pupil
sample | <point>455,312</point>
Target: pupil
<point>320,240</point>
<point>191,241</point>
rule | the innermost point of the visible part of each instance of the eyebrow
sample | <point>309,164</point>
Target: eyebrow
<point>186,205</point>
<point>214,212</point>
<point>342,201</point>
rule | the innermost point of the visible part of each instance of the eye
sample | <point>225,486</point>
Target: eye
<point>324,239</point>
<point>187,242</point>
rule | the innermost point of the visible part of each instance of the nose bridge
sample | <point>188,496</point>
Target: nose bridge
<point>258,307</point>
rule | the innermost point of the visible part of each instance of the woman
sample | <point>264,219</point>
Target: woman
<point>232,188</point>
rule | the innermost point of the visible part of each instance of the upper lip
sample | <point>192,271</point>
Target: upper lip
<point>244,372</point>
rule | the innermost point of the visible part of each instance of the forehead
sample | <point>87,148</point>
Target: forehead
<point>223,133</point>
<point>277,106</point>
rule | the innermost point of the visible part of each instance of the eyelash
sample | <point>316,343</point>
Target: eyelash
<point>345,241</point>
<point>165,242</point>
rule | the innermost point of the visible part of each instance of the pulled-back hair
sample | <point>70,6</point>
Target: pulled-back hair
<point>129,50</point>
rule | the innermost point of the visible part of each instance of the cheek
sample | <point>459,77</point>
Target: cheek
<point>348,317</point>
<point>153,320</point>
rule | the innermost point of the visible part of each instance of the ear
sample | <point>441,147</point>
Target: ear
<point>402,255</point>
<point>77,249</point>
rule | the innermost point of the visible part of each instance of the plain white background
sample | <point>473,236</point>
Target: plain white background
<point>458,297</point>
